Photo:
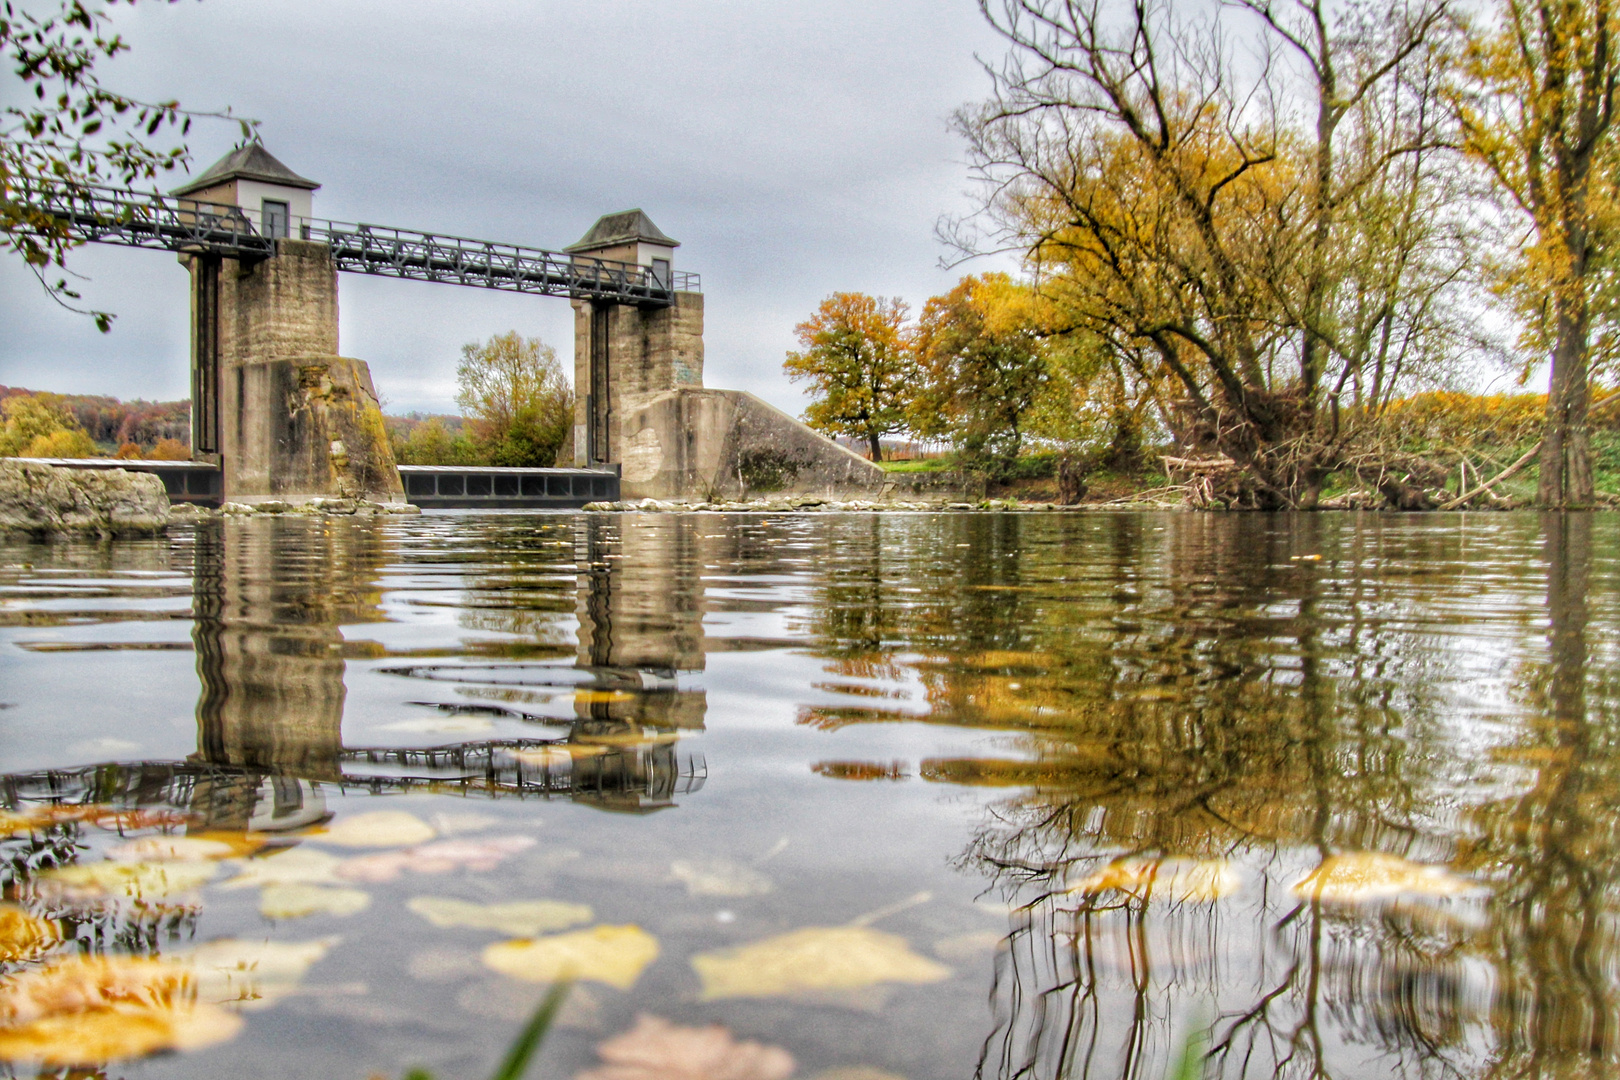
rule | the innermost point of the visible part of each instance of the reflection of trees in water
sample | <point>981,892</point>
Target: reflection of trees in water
<point>1184,686</point>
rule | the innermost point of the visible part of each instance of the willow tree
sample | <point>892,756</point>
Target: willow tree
<point>1287,265</point>
<point>1538,115</point>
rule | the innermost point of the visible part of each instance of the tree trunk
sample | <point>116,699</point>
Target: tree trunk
<point>876,445</point>
<point>1566,464</point>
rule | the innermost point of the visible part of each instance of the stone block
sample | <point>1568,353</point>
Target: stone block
<point>306,427</point>
<point>44,500</point>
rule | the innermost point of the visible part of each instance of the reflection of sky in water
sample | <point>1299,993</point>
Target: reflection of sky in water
<point>676,713</point>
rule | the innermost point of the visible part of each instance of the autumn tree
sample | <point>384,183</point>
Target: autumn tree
<point>39,425</point>
<point>519,403</point>
<point>860,366</point>
<point>981,356</point>
<point>1273,233</point>
<point>63,130</point>
<point>1538,113</point>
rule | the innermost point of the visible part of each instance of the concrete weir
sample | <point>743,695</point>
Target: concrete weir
<point>286,417</point>
<point>641,406</point>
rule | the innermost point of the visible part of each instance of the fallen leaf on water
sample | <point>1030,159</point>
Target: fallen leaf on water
<point>615,955</point>
<point>252,973</point>
<point>440,857</point>
<point>379,828</point>
<point>92,1010</point>
<point>967,946</point>
<point>556,753</point>
<point>1358,877</point>
<point>24,936</point>
<point>295,901</point>
<point>169,849</point>
<point>720,877</point>
<point>1196,881</point>
<point>137,881</point>
<point>452,824</point>
<point>813,959</point>
<point>656,1049</point>
<point>523,918</point>
<point>294,866</point>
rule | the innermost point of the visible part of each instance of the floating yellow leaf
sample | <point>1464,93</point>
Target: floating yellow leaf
<point>524,918</point>
<point>720,877</point>
<point>1359,877</point>
<point>656,1049</point>
<point>252,973</point>
<point>294,866</point>
<point>440,857</point>
<point>968,946</point>
<point>556,753</point>
<point>24,936</point>
<point>295,901</point>
<point>816,958</point>
<point>615,955</point>
<point>137,881</point>
<point>92,1010</point>
<point>1198,881</point>
<point>169,849</point>
<point>379,828</point>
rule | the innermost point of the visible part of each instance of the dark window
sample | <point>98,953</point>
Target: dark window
<point>450,484</point>
<point>559,487</point>
<point>173,482</point>
<point>478,484</point>
<point>419,485</point>
<point>275,218</point>
<point>599,486</point>
<point>534,486</point>
<point>506,486</point>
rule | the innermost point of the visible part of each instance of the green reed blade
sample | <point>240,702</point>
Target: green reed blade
<point>533,1033</point>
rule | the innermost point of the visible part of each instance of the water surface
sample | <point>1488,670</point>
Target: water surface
<point>1076,766</point>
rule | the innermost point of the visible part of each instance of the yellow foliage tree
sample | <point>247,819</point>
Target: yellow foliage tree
<point>981,353</point>
<point>39,426</point>
<point>859,362</point>
<point>1538,112</point>
<point>520,403</point>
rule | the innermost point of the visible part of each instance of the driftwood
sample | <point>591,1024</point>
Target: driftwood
<point>1485,488</point>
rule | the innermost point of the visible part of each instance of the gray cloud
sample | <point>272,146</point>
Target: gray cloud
<point>793,149</point>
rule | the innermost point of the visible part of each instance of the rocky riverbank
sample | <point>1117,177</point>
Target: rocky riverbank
<point>44,501</point>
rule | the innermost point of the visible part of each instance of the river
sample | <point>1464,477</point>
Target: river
<point>905,795</point>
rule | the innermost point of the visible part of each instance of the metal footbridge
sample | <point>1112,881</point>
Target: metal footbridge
<point>106,215</point>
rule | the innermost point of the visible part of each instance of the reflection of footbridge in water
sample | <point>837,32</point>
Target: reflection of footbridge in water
<point>270,601</point>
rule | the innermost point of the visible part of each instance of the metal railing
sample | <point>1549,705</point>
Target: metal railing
<point>117,216</point>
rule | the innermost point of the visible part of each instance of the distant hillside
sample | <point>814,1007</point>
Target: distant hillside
<point>113,424</point>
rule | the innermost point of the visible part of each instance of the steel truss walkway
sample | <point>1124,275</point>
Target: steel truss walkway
<point>132,219</point>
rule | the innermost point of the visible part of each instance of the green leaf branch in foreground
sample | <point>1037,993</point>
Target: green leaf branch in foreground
<point>67,130</point>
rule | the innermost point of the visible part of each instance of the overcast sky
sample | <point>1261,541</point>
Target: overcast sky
<point>793,149</point>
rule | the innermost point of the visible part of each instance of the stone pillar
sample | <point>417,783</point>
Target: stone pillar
<point>625,355</point>
<point>294,419</point>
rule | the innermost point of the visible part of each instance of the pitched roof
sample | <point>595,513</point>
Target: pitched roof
<point>250,161</point>
<point>625,227</point>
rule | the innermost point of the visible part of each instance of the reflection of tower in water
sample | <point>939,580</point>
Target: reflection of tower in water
<point>269,598</point>
<point>640,619</point>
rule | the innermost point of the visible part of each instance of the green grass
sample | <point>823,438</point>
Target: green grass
<point>919,465</point>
